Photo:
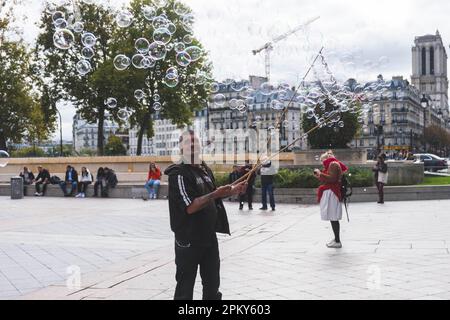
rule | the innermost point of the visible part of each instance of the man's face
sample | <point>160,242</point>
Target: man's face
<point>40,169</point>
<point>191,148</point>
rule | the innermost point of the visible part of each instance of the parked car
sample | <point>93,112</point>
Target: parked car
<point>431,162</point>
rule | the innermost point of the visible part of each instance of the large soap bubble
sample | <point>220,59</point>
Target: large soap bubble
<point>157,50</point>
<point>149,13</point>
<point>121,62</point>
<point>124,18</point>
<point>194,52</point>
<point>83,67</point>
<point>63,39</point>
<point>88,39</point>
<point>162,35</point>
<point>142,45</point>
<point>183,59</point>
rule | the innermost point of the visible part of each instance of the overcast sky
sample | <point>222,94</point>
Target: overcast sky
<point>361,38</point>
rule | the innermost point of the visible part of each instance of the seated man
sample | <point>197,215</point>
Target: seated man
<point>42,179</point>
<point>70,179</point>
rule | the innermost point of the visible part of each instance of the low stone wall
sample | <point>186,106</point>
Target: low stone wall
<point>289,196</point>
<point>350,156</point>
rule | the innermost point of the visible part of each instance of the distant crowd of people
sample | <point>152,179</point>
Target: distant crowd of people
<point>74,183</point>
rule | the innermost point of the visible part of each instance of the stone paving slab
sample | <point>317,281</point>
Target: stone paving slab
<point>123,249</point>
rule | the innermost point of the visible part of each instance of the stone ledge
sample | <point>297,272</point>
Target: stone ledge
<point>292,196</point>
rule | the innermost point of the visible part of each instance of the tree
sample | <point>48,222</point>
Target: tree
<point>21,115</point>
<point>179,101</point>
<point>104,81</point>
<point>115,147</point>
<point>334,135</point>
<point>437,138</point>
<point>87,92</point>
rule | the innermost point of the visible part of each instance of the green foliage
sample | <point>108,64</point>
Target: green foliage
<point>89,92</point>
<point>328,136</point>
<point>115,147</point>
<point>21,115</point>
<point>304,178</point>
<point>222,179</point>
<point>436,181</point>
<point>28,152</point>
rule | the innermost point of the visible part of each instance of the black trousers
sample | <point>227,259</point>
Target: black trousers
<point>38,187</point>
<point>103,189</point>
<point>82,187</point>
<point>248,196</point>
<point>187,260</point>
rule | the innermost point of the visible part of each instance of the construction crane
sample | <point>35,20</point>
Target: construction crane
<point>268,47</point>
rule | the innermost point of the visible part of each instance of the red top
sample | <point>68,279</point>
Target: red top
<point>154,175</point>
<point>335,185</point>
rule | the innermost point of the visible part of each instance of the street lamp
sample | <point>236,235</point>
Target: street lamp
<point>424,103</point>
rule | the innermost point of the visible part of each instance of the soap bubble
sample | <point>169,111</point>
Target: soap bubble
<point>187,39</point>
<point>63,39</point>
<point>142,45</point>
<point>61,23</point>
<point>160,22</point>
<point>172,28</point>
<point>83,67</point>
<point>162,35</point>
<point>172,72</point>
<point>124,18</point>
<point>87,53</point>
<point>238,85</point>
<point>88,39</point>
<point>111,103</point>
<point>121,62</point>
<point>156,97</point>
<point>139,94</point>
<point>179,47</point>
<point>4,158</point>
<point>183,59</point>
<point>219,99</point>
<point>171,82</point>
<point>194,52</point>
<point>157,106</point>
<point>266,89</point>
<point>123,114</point>
<point>78,27</point>
<point>160,3</point>
<point>58,15</point>
<point>149,13</point>
<point>138,61</point>
<point>180,9</point>
<point>157,50</point>
<point>214,87</point>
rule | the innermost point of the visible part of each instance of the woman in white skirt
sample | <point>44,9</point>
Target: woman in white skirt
<point>329,194</point>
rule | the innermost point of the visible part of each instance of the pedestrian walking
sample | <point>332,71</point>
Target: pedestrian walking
<point>197,213</point>
<point>381,176</point>
<point>329,194</point>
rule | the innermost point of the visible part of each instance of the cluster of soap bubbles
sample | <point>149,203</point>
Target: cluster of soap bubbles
<point>149,50</point>
<point>4,158</point>
<point>321,99</point>
<point>156,47</point>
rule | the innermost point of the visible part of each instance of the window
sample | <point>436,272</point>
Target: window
<point>424,61</point>
<point>432,61</point>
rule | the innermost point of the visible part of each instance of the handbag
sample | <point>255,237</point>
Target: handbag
<point>383,177</point>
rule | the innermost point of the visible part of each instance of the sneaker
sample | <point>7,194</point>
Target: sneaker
<point>273,209</point>
<point>83,195</point>
<point>263,208</point>
<point>79,195</point>
<point>334,245</point>
<point>250,208</point>
<point>155,197</point>
<point>36,194</point>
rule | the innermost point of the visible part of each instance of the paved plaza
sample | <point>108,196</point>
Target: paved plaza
<point>58,248</point>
